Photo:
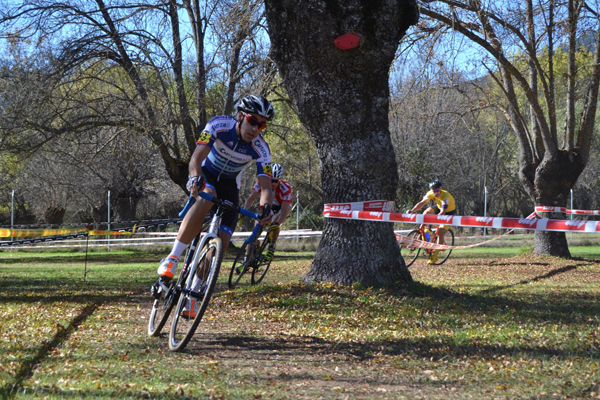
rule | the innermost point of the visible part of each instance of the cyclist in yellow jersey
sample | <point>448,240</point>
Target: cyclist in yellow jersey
<point>444,205</point>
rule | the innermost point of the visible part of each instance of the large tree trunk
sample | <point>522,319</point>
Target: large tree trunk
<point>342,98</point>
<point>552,181</point>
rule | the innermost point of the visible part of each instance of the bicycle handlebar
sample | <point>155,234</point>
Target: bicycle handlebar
<point>227,204</point>
<point>190,202</point>
<point>224,203</point>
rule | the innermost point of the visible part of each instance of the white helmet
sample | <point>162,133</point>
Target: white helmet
<point>257,105</point>
<point>277,171</point>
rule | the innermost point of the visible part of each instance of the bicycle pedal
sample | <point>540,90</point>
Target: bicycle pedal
<point>156,290</point>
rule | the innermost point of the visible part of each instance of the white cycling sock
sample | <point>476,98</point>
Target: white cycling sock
<point>178,248</point>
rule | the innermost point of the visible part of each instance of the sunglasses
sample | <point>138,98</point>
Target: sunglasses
<point>437,190</point>
<point>274,180</point>
<point>254,122</point>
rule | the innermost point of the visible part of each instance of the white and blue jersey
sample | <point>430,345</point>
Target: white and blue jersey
<point>229,154</point>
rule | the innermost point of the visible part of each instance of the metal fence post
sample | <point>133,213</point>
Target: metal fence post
<point>571,211</point>
<point>108,236</point>
<point>12,214</point>
<point>297,218</point>
<point>297,210</point>
<point>485,210</point>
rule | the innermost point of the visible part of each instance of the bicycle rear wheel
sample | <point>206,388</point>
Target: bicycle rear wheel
<point>207,269</point>
<point>411,252</point>
<point>238,268</point>
<point>262,266</point>
<point>444,254</point>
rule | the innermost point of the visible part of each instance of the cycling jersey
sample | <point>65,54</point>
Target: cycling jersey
<point>229,154</point>
<point>283,193</point>
<point>443,198</point>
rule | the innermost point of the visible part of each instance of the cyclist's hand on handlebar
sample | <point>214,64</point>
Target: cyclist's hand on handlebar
<point>195,184</point>
<point>265,215</point>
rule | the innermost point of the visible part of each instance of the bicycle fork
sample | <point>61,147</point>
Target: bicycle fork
<point>201,270</point>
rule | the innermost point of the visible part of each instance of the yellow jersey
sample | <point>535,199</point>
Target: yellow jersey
<point>443,198</point>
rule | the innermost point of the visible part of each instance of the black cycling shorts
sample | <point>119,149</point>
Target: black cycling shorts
<point>226,189</point>
<point>437,210</point>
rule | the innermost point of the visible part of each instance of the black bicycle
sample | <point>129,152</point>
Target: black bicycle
<point>203,262</point>
<point>251,257</point>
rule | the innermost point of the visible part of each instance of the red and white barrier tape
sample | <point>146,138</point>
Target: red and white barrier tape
<point>553,225</point>
<point>374,205</point>
<point>403,240</point>
<point>412,242</point>
<point>566,210</point>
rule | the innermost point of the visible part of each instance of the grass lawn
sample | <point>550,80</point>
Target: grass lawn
<point>494,323</point>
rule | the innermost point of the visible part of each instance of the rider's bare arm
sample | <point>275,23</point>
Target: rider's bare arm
<point>282,215</point>
<point>253,196</point>
<point>418,206</point>
<point>195,168</point>
<point>266,196</point>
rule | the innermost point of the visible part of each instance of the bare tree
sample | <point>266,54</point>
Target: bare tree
<point>117,64</point>
<point>342,98</point>
<point>519,42</point>
<point>445,126</point>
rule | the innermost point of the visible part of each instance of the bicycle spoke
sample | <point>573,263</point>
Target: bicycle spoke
<point>261,266</point>
<point>443,256</point>
<point>161,309</point>
<point>410,253</point>
<point>199,288</point>
<point>239,268</point>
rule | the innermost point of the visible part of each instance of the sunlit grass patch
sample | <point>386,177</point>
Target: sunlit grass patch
<point>500,327</point>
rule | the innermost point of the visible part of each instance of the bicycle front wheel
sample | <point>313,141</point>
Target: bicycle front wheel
<point>161,309</point>
<point>411,252</point>
<point>198,291</point>
<point>262,265</point>
<point>444,254</point>
<point>238,269</point>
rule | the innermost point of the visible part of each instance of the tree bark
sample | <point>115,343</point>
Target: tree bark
<point>554,178</point>
<point>342,98</point>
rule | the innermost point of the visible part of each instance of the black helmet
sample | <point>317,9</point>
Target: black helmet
<point>257,105</point>
<point>435,184</point>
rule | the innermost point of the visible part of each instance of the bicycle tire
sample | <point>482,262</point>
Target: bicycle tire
<point>182,329</point>
<point>235,276</point>
<point>161,309</point>
<point>410,254</point>
<point>261,266</point>
<point>449,239</point>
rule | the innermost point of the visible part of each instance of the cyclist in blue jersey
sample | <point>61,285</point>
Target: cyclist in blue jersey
<point>225,147</point>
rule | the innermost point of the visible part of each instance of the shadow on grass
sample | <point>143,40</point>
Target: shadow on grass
<point>10,389</point>
<point>541,307</point>
<point>434,349</point>
<point>489,304</point>
<point>550,274</point>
